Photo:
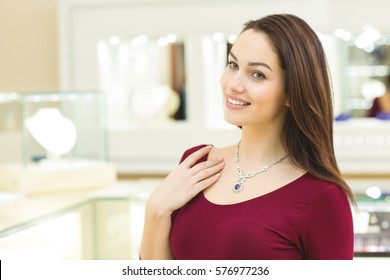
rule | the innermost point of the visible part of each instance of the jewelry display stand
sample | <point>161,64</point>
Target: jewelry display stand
<point>55,142</point>
<point>56,133</point>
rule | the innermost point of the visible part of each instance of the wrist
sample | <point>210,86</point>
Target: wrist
<point>157,210</point>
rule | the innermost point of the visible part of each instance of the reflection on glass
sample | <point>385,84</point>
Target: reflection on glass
<point>380,107</point>
<point>368,64</point>
<point>144,79</point>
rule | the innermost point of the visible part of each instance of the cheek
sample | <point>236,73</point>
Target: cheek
<point>270,98</point>
<point>223,81</point>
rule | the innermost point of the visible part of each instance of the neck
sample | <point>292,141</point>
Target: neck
<point>261,146</point>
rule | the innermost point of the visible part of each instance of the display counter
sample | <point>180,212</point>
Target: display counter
<point>102,224</point>
<point>108,223</point>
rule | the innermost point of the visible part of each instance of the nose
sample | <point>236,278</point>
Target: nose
<point>236,83</point>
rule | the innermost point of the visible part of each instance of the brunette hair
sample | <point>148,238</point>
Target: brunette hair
<point>308,126</point>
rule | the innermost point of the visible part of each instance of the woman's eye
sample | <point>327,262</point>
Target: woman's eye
<point>232,65</point>
<point>258,75</point>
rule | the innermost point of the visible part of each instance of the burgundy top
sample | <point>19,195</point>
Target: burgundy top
<point>306,219</point>
<point>375,109</point>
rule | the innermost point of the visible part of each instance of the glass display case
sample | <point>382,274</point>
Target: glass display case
<point>53,141</point>
<point>365,60</point>
<point>372,229</point>
<point>105,224</point>
<point>372,218</point>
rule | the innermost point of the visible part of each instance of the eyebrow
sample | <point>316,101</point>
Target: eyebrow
<point>252,63</point>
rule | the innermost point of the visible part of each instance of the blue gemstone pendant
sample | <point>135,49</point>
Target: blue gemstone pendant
<point>237,187</point>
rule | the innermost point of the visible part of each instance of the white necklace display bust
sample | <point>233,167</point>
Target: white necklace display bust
<point>56,133</point>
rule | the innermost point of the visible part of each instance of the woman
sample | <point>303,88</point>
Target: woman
<point>381,105</point>
<point>278,193</point>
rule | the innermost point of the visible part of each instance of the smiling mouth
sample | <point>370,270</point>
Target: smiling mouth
<point>237,102</point>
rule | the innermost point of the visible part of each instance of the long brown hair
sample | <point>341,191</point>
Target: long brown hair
<point>308,127</point>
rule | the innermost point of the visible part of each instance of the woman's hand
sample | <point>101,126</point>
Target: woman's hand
<point>185,182</point>
<point>179,187</point>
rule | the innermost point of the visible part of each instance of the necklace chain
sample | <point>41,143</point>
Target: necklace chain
<point>239,185</point>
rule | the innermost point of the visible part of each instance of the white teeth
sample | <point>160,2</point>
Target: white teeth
<point>237,102</point>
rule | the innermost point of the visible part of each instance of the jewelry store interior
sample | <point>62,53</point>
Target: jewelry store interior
<point>136,84</point>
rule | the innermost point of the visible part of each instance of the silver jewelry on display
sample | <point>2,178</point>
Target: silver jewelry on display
<point>239,185</point>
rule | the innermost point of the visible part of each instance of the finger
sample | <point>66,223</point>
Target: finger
<point>202,185</point>
<point>207,172</point>
<point>195,156</point>
<point>205,164</point>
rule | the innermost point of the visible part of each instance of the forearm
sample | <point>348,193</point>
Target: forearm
<point>179,187</point>
<point>155,240</point>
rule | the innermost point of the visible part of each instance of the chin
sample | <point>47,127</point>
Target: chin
<point>233,121</point>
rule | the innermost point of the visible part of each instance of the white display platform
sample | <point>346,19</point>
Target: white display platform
<point>56,176</point>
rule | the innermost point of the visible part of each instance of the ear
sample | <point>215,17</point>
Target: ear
<point>287,104</point>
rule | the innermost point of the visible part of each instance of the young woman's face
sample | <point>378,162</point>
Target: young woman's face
<point>253,82</point>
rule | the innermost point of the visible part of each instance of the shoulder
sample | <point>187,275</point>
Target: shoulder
<point>214,153</point>
<point>310,195</point>
<point>320,189</point>
<point>323,198</point>
<point>191,150</point>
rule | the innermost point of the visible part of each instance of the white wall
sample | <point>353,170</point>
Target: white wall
<point>156,148</point>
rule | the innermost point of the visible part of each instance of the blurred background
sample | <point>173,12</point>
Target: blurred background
<point>99,98</point>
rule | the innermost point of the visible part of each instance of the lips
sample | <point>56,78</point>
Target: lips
<point>237,102</point>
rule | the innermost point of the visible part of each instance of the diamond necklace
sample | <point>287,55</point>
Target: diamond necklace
<point>239,185</point>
